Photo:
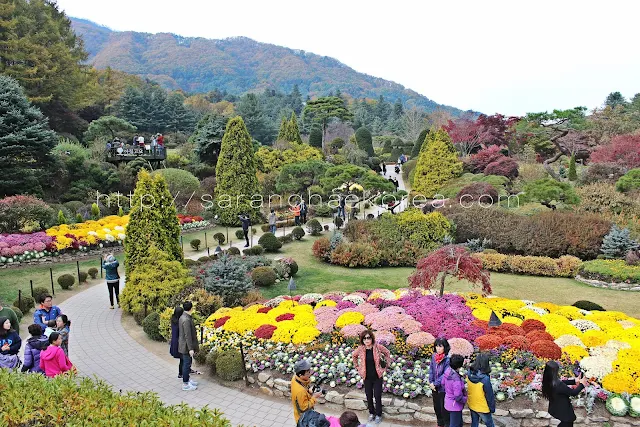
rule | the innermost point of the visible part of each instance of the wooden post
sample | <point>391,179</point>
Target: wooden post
<point>78,269</point>
<point>208,253</point>
<point>244,368</point>
<point>31,284</point>
<point>201,334</point>
<point>20,299</point>
<point>206,245</point>
<point>229,241</point>
<point>101,268</point>
<point>53,291</point>
<point>181,244</point>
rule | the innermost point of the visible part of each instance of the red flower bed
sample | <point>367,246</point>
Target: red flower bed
<point>499,332</point>
<point>482,324</point>
<point>545,349</point>
<point>186,219</point>
<point>511,329</point>
<point>221,321</point>
<point>537,335</point>
<point>488,342</point>
<point>517,341</point>
<point>286,316</point>
<point>265,331</point>
<point>264,310</point>
<point>532,325</point>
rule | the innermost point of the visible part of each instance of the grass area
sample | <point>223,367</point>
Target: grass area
<point>14,279</point>
<point>315,276</point>
<point>187,237</point>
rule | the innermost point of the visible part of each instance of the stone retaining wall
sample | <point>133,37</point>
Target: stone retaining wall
<point>398,409</point>
<point>617,286</point>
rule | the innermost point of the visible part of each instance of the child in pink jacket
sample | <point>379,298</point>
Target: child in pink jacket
<point>455,393</point>
<point>53,361</point>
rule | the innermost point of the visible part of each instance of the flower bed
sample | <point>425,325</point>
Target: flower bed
<point>324,328</point>
<point>613,270</point>
<point>565,266</point>
<point>189,222</point>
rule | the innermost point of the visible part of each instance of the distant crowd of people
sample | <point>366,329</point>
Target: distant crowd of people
<point>156,143</point>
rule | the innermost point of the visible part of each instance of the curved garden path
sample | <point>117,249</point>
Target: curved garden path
<point>101,347</point>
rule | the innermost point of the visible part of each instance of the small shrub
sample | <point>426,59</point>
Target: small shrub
<point>233,251</point>
<point>298,233</point>
<point>151,326</point>
<point>188,262</point>
<point>205,303</point>
<point>504,166</point>
<point>239,234</point>
<point>565,266</point>
<point>338,222</point>
<point>201,355</point>
<point>255,250</point>
<point>138,316</point>
<point>220,238</point>
<point>27,304</point>
<point>480,192</point>
<point>229,365</point>
<point>210,360</point>
<point>618,243</point>
<point>93,273</point>
<point>66,281</point>
<point>253,296</point>
<point>204,259</point>
<point>322,248</point>
<point>82,277</point>
<point>265,228</point>
<point>603,173</point>
<point>195,244</point>
<point>479,161</point>
<point>588,305</point>
<point>323,211</point>
<point>314,227</point>
<point>18,313</point>
<point>288,238</point>
<point>269,242</point>
<point>263,276</point>
<point>40,291</point>
<point>629,182</point>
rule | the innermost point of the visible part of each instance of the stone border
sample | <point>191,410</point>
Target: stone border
<point>632,287</point>
<point>75,256</point>
<point>399,409</point>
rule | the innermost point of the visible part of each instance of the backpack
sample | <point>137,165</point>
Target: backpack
<point>311,418</point>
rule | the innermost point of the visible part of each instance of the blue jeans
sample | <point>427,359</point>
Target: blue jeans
<point>272,228</point>
<point>455,418</point>
<point>485,417</point>
<point>186,367</point>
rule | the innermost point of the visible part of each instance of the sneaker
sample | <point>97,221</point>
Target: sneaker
<point>246,246</point>
<point>371,417</point>
<point>180,376</point>
<point>111,307</point>
<point>193,383</point>
<point>378,419</point>
<point>188,387</point>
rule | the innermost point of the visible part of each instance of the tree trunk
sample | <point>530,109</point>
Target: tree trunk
<point>444,275</point>
<point>324,132</point>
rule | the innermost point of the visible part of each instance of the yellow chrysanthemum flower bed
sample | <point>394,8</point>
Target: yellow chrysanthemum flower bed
<point>349,318</point>
<point>575,352</point>
<point>109,229</point>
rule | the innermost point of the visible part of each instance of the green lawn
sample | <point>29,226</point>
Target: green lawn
<point>315,276</point>
<point>13,279</point>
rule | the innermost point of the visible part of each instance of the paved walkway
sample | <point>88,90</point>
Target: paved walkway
<point>101,347</point>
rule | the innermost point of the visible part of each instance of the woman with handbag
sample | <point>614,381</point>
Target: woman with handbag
<point>370,360</point>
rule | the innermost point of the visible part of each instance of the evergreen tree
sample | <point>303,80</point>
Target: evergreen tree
<point>365,141</point>
<point>292,132</point>
<point>61,218</point>
<point>25,142</point>
<point>295,100</point>
<point>417,147</point>
<point>383,110</point>
<point>107,128</point>
<point>282,132</point>
<point>169,226</point>
<point>207,137</point>
<point>236,174</point>
<point>437,164</point>
<point>618,243</point>
<point>573,175</point>
<point>315,137</point>
<point>257,123</point>
<point>179,118</point>
<point>322,110</point>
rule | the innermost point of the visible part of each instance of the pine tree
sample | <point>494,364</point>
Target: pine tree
<point>573,175</point>
<point>365,141</point>
<point>61,218</point>
<point>417,147</point>
<point>315,137</point>
<point>168,223</point>
<point>282,132</point>
<point>95,211</point>
<point>208,137</point>
<point>292,130</point>
<point>236,174</point>
<point>437,164</point>
<point>618,243</point>
<point>25,142</point>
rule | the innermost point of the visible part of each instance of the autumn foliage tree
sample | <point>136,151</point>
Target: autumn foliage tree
<point>450,260</point>
<point>466,135</point>
<point>623,150</point>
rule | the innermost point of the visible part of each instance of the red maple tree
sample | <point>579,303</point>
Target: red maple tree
<point>453,260</point>
<point>623,150</point>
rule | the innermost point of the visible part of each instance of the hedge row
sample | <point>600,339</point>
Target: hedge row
<point>565,266</point>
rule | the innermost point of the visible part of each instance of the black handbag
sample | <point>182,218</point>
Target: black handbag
<point>383,362</point>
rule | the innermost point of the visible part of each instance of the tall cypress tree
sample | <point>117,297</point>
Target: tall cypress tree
<point>315,137</point>
<point>25,142</point>
<point>292,130</point>
<point>282,133</point>
<point>573,174</point>
<point>169,226</point>
<point>236,175</point>
<point>365,141</point>
<point>437,164</point>
<point>417,147</point>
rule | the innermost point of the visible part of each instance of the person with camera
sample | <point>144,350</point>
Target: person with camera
<point>370,360</point>
<point>110,265</point>
<point>303,397</point>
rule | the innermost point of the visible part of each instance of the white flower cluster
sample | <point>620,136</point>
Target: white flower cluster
<point>568,339</point>
<point>356,299</point>
<point>596,367</point>
<point>584,325</point>
<point>538,310</point>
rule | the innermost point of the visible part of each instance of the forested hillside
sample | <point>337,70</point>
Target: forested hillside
<point>235,65</point>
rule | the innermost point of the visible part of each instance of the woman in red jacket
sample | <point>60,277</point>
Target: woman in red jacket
<point>371,361</point>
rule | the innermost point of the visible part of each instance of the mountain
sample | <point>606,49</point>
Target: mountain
<point>236,65</point>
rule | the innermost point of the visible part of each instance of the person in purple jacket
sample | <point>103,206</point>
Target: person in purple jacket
<point>35,344</point>
<point>439,364</point>
<point>455,393</point>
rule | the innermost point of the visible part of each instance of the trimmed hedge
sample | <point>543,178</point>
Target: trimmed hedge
<point>314,227</point>
<point>298,233</point>
<point>565,266</point>
<point>229,365</point>
<point>27,304</point>
<point>233,251</point>
<point>588,305</point>
<point>255,250</point>
<point>151,326</point>
<point>66,281</point>
<point>263,276</point>
<point>93,272</point>
<point>614,270</point>
<point>18,313</point>
<point>83,276</point>
<point>269,242</point>
<point>40,291</point>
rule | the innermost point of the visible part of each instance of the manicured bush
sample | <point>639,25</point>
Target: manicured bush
<point>151,327</point>
<point>549,190</point>
<point>82,277</point>
<point>18,313</point>
<point>269,242</point>
<point>233,251</point>
<point>588,305</point>
<point>322,248</point>
<point>355,255</point>
<point>93,273</point>
<point>229,365</point>
<point>129,409</point>
<point>204,259</point>
<point>220,238</point>
<point>314,227</point>
<point>240,234</point>
<point>39,291</point>
<point>210,360</point>
<point>200,356</point>
<point>437,164</point>
<point>255,250</point>
<point>253,296</point>
<point>629,182</point>
<point>181,183</point>
<point>66,281</point>
<point>504,166</point>
<point>565,266</point>
<point>287,238</point>
<point>338,222</point>
<point>188,262</point>
<point>263,276</point>
<point>27,304</point>
<point>610,271</point>
<point>227,277</point>
<point>195,244</point>
<point>298,233</point>
<point>478,191</point>
<point>265,228</point>
<point>323,211</point>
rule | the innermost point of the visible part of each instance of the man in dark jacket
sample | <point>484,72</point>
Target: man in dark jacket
<point>187,345</point>
<point>35,345</point>
<point>246,223</point>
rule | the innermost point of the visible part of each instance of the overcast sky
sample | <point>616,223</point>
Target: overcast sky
<point>510,57</point>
